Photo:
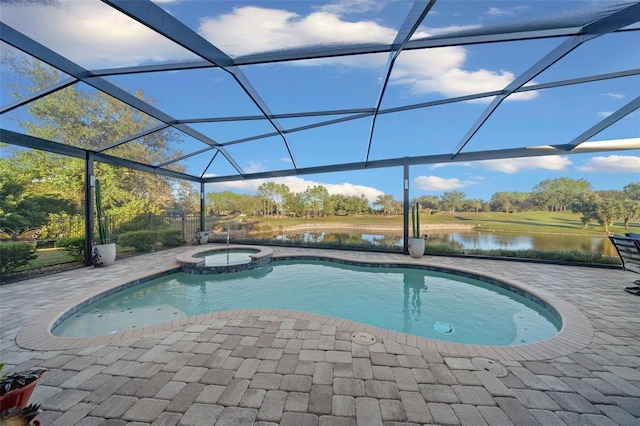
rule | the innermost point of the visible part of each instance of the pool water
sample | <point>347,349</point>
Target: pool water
<point>420,302</point>
<point>228,257</point>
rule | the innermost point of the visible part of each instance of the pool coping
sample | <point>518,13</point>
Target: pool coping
<point>576,332</point>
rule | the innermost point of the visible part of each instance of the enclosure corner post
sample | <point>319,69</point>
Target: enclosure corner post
<point>89,182</point>
<point>405,219</point>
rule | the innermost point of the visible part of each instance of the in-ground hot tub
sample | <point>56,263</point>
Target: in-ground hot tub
<point>224,259</point>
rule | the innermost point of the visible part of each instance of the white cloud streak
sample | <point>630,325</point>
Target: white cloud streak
<point>436,183</point>
<point>612,164</point>
<point>514,165</point>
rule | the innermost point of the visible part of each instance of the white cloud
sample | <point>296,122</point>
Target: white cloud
<point>442,70</point>
<point>612,164</point>
<point>253,29</point>
<point>514,165</point>
<point>496,11</point>
<point>436,183</point>
<point>509,11</point>
<point>297,184</point>
<point>91,33</point>
<point>605,114</point>
<point>614,95</point>
<point>343,7</point>
<point>97,36</point>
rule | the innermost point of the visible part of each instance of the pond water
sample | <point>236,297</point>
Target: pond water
<point>467,240</point>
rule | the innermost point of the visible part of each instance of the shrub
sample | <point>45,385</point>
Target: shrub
<point>15,254</point>
<point>170,237</point>
<point>74,245</point>
<point>139,240</point>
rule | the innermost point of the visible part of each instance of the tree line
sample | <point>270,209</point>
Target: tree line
<point>276,200</point>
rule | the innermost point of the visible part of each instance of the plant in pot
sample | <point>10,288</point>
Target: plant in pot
<point>15,390</point>
<point>104,253</point>
<point>416,242</point>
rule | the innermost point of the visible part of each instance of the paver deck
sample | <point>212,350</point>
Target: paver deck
<point>294,368</point>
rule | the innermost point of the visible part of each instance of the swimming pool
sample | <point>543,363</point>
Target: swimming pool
<point>421,302</point>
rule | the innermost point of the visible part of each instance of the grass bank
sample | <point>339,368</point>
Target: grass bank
<point>524,222</point>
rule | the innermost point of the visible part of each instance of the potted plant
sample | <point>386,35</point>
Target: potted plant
<point>17,416</point>
<point>15,390</point>
<point>416,242</point>
<point>104,254</point>
<point>203,237</point>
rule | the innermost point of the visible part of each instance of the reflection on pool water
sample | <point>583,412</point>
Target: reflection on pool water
<point>425,303</point>
<point>227,257</point>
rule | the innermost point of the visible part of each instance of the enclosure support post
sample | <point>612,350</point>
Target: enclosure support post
<point>202,206</point>
<point>89,223</point>
<point>405,218</point>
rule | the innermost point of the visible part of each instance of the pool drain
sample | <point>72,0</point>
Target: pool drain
<point>443,327</point>
<point>363,338</point>
<point>489,365</point>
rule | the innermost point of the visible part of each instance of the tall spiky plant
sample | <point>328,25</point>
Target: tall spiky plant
<point>103,220</point>
<point>415,220</point>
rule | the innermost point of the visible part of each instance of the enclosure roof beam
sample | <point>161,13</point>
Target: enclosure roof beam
<point>352,50</point>
<point>603,124</point>
<point>616,20</point>
<point>39,94</point>
<point>366,112</point>
<point>35,49</point>
<point>532,151</point>
<point>32,142</point>
<point>154,17</point>
<point>414,18</point>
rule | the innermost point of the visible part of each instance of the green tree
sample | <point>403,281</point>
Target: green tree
<point>314,199</point>
<point>632,191</point>
<point>452,200</point>
<point>23,201</point>
<point>428,203</point>
<point>91,120</point>
<point>630,211</point>
<point>557,194</point>
<point>587,205</point>
<point>386,203</point>
<point>608,211</point>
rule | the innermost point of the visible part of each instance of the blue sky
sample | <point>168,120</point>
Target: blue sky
<point>108,39</point>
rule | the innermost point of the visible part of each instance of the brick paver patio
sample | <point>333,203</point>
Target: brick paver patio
<point>285,367</point>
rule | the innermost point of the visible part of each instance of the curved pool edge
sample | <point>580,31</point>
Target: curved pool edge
<point>576,332</point>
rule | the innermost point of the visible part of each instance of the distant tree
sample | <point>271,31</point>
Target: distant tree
<point>608,212</point>
<point>386,203</point>
<point>632,191</point>
<point>273,195</point>
<point>452,200</point>
<point>630,211</point>
<point>507,202</point>
<point>587,205</point>
<point>557,194</point>
<point>428,203</point>
<point>474,205</point>
<point>295,204</point>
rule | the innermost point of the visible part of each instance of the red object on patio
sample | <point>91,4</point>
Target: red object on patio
<point>17,397</point>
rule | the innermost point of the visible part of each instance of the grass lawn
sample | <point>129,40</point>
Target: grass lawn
<point>524,222</point>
